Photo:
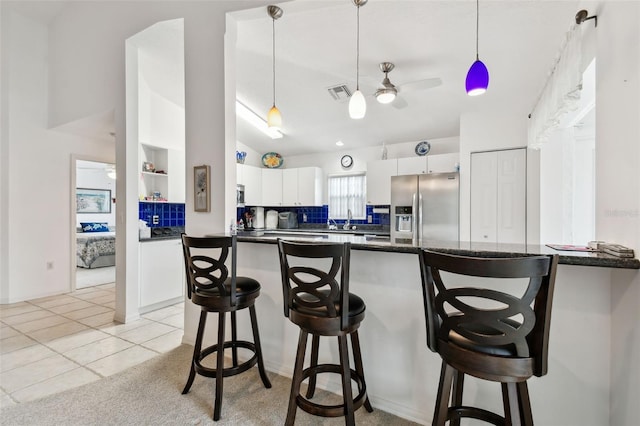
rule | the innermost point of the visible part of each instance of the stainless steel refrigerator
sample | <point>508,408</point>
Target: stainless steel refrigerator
<point>425,207</point>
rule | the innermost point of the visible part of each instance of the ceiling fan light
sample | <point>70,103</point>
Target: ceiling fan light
<point>274,118</point>
<point>385,96</point>
<point>477,79</point>
<point>357,105</point>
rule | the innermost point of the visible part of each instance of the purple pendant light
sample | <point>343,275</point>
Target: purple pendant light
<point>478,75</point>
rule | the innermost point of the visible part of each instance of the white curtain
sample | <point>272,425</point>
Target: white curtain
<point>347,193</point>
<point>561,92</point>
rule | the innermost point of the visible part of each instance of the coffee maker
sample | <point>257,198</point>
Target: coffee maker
<point>257,214</point>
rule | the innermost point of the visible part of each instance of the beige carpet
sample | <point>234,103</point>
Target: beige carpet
<point>150,394</point>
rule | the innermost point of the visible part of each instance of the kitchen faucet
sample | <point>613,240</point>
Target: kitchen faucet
<point>347,224</point>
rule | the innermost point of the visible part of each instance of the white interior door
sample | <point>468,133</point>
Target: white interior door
<point>484,196</point>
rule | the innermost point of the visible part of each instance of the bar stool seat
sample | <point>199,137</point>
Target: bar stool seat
<point>321,305</point>
<point>499,336</point>
<point>210,286</point>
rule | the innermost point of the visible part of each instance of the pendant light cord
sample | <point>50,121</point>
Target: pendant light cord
<point>273,32</point>
<point>477,27</point>
<point>358,49</point>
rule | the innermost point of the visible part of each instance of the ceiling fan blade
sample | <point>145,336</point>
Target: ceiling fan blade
<point>415,86</point>
<point>399,102</point>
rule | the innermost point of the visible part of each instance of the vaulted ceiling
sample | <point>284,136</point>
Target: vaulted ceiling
<point>316,49</point>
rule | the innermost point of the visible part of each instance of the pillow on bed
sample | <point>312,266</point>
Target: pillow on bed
<point>94,226</point>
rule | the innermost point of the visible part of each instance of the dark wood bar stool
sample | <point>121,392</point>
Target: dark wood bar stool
<point>210,286</point>
<point>317,299</point>
<point>487,333</point>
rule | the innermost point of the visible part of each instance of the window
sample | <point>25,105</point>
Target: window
<point>347,192</point>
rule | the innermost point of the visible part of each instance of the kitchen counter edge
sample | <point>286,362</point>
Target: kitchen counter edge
<point>466,248</point>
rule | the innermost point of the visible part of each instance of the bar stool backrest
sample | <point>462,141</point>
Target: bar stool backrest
<point>206,268</point>
<point>311,288</point>
<point>521,323</point>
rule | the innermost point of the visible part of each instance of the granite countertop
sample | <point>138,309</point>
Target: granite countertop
<point>382,242</point>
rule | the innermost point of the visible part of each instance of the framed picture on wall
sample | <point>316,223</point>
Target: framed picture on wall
<point>90,200</point>
<point>202,193</point>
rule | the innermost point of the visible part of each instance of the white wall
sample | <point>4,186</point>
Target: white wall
<point>618,190</point>
<point>36,193</point>
<point>88,75</point>
<point>53,75</point>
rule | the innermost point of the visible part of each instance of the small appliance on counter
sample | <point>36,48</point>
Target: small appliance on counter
<point>287,220</point>
<point>258,217</point>
<point>271,219</point>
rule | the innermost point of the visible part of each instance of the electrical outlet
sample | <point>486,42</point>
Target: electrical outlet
<point>155,219</point>
<point>304,217</point>
<point>369,219</point>
<point>50,264</point>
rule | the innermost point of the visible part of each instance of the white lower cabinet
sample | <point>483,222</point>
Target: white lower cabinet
<point>161,274</point>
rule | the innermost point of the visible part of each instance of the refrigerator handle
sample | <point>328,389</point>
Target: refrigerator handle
<point>419,216</point>
<point>415,216</point>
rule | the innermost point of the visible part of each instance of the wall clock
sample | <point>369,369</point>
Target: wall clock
<point>346,161</point>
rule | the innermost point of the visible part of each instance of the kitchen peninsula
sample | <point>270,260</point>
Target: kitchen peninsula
<point>402,378</point>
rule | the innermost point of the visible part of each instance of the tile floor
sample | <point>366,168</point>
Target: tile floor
<point>57,343</point>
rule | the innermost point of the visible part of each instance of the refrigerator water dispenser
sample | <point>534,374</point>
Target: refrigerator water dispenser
<point>403,219</point>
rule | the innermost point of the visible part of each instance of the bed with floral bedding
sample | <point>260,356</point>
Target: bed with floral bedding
<point>95,246</point>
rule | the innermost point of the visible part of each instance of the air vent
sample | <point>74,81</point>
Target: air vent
<point>340,92</point>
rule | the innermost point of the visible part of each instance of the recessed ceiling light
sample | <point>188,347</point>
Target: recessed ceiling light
<point>340,143</point>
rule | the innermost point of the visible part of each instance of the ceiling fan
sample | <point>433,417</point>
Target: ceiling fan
<point>388,92</point>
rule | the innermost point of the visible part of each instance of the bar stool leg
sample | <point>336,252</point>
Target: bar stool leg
<point>196,350</point>
<point>346,380</point>
<point>524,403</point>
<point>458,385</point>
<point>297,378</point>
<point>315,343</point>
<point>357,358</point>
<point>234,339</point>
<point>444,392</point>
<point>256,342</point>
<point>510,402</point>
<point>219,367</point>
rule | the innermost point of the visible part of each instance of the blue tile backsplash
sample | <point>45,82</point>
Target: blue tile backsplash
<point>169,214</point>
<point>320,215</point>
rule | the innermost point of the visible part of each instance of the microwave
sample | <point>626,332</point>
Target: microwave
<point>240,195</point>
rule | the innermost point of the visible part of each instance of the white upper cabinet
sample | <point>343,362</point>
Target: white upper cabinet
<point>290,187</point>
<point>379,174</point>
<point>309,186</point>
<point>271,187</point>
<point>284,187</point>
<point>412,166</point>
<point>251,178</point>
<point>443,163</point>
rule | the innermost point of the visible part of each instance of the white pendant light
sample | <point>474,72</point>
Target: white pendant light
<point>274,118</point>
<point>357,103</point>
